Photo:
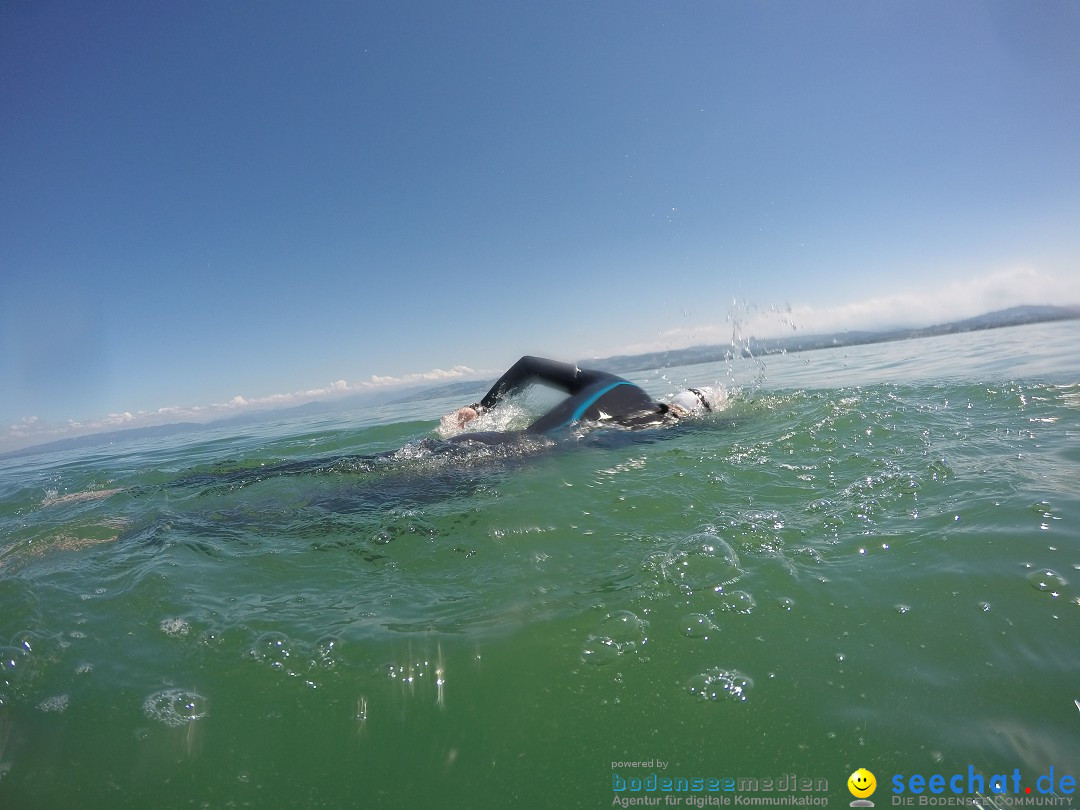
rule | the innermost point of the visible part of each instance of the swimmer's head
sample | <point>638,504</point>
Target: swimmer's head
<point>699,401</point>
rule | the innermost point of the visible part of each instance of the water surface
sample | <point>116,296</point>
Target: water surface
<point>870,559</point>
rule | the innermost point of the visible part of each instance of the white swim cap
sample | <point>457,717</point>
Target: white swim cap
<point>699,400</point>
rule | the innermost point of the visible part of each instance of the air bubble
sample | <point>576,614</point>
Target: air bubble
<point>620,632</point>
<point>327,652</point>
<point>175,707</point>
<point>601,650</point>
<point>622,626</point>
<point>698,625</point>
<point>718,684</point>
<point>1043,579</point>
<point>272,648</point>
<point>737,602</point>
<point>701,561</point>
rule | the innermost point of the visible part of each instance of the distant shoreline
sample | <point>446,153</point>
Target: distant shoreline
<point>761,347</point>
<point>619,364</point>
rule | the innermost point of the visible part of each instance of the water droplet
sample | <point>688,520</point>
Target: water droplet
<point>1043,509</point>
<point>24,639</point>
<point>15,665</point>
<point>718,684</point>
<point>175,707</point>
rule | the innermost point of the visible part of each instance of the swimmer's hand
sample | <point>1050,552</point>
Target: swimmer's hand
<point>456,421</point>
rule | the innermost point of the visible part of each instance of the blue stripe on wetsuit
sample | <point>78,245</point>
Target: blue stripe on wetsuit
<point>580,410</point>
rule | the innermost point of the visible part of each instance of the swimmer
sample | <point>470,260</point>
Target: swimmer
<point>595,396</point>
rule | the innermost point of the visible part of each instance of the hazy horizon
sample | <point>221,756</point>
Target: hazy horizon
<point>213,414</point>
<point>214,208</point>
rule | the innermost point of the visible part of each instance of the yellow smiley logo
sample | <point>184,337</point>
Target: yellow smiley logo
<point>861,783</point>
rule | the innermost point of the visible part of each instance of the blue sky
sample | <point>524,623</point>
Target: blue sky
<point>211,206</point>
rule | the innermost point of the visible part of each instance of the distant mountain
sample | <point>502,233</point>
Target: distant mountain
<point>454,389</point>
<point>111,437</point>
<point>619,364</point>
<point>1014,316</point>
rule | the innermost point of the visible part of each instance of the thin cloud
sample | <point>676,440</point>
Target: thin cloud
<point>33,429</point>
<point>912,309</point>
<point>953,301</point>
<point>427,376</point>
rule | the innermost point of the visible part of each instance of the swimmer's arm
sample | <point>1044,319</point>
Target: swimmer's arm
<point>525,371</point>
<point>566,377</point>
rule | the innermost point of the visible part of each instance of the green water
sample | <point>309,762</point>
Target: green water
<point>871,559</point>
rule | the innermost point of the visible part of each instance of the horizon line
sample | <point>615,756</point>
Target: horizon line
<point>238,406</point>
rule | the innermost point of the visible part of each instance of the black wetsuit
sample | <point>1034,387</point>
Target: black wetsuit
<point>594,396</point>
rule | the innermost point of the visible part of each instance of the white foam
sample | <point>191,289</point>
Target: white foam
<point>175,707</point>
<point>175,627</point>
<point>56,704</point>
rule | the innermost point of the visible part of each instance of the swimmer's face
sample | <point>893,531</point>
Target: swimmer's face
<point>861,783</point>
